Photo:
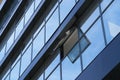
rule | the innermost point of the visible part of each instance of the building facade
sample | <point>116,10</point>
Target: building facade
<point>60,40</point>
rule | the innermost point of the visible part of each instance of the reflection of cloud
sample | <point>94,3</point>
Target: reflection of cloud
<point>114,29</point>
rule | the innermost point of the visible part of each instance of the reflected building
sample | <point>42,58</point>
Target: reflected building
<point>59,39</point>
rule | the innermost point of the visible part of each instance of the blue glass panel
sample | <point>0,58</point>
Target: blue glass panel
<point>29,12</point>
<point>65,9</point>
<point>2,53</point>
<point>15,72</point>
<point>26,59</point>
<point>70,70</point>
<point>38,43</point>
<point>55,75</point>
<point>95,36</point>
<point>105,3</point>
<point>74,53</point>
<point>52,25</point>
<point>37,2</point>
<point>90,20</point>
<point>10,41</point>
<point>52,66</point>
<point>112,20</point>
<point>19,27</point>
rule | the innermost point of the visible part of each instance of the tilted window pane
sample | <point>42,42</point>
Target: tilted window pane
<point>70,70</point>
<point>84,43</point>
<point>38,43</point>
<point>74,53</point>
<point>15,72</point>
<point>97,43</point>
<point>26,59</point>
<point>29,12</point>
<point>52,25</point>
<point>112,20</point>
<point>65,8</point>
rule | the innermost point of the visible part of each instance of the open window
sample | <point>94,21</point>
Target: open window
<point>75,44</point>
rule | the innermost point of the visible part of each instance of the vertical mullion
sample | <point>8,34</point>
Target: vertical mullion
<point>102,23</point>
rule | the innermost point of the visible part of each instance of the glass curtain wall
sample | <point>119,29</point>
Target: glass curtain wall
<point>94,35</point>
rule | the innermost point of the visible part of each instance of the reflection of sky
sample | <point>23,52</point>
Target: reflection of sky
<point>114,29</point>
<point>95,36</point>
<point>112,20</point>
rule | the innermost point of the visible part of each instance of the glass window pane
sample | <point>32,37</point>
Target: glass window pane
<point>70,70</point>
<point>83,43</point>
<point>55,75</point>
<point>15,72</point>
<point>26,59</point>
<point>10,41</point>
<point>41,77</point>
<point>112,20</point>
<point>95,36</point>
<point>2,53</point>
<point>29,12</point>
<point>105,3</point>
<point>37,2</point>
<point>19,27</point>
<point>74,53</point>
<point>90,20</point>
<point>52,66</point>
<point>65,9</point>
<point>7,78</point>
<point>52,25</point>
<point>38,43</point>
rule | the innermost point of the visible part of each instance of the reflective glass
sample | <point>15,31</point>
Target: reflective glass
<point>7,78</point>
<point>29,12</point>
<point>41,77</point>
<point>105,3</point>
<point>10,41</point>
<point>70,70</point>
<point>90,20</point>
<point>65,9</point>
<point>52,66</point>
<point>2,53</point>
<point>74,53</point>
<point>38,43</point>
<point>26,59</point>
<point>19,27</point>
<point>112,20</point>
<point>55,75</point>
<point>52,25</point>
<point>15,72</point>
<point>95,36</point>
<point>83,43</point>
<point>37,2</point>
